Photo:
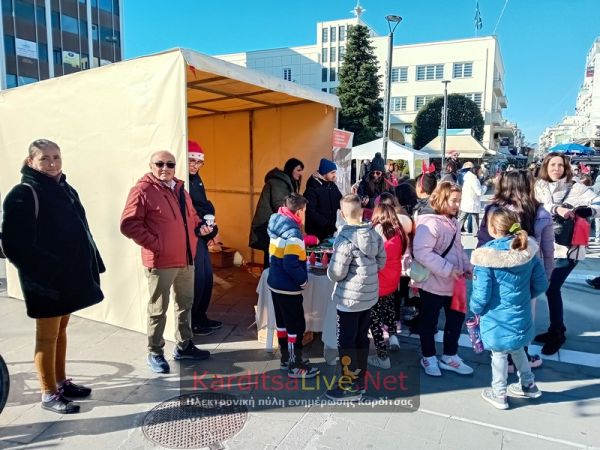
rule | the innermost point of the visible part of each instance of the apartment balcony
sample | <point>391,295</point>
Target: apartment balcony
<point>503,101</point>
<point>498,87</point>
<point>496,118</point>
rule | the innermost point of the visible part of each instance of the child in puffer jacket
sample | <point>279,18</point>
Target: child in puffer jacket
<point>358,254</point>
<point>287,277</point>
<point>387,225</point>
<point>508,273</point>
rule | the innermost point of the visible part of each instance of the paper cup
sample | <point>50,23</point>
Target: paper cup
<point>209,219</point>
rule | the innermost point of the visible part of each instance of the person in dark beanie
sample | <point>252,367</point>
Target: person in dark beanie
<point>374,184</point>
<point>323,197</point>
<point>278,185</point>
<point>203,273</point>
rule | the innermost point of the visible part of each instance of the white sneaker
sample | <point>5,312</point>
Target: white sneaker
<point>394,343</point>
<point>455,364</point>
<point>431,366</point>
<point>376,361</point>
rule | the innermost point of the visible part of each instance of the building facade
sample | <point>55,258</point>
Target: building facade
<point>41,39</point>
<point>474,67</point>
<point>584,126</point>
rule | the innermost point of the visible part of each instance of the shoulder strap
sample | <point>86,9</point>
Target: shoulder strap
<point>443,255</point>
<point>36,202</point>
<point>566,194</point>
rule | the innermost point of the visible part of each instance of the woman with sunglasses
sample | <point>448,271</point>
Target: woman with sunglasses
<point>46,236</point>
<point>374,184</point>
<point>564,198</point>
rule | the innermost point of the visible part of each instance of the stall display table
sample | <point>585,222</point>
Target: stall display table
<point>319,310</point>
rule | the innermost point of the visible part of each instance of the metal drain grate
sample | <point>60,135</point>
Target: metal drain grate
<point>195,420</point>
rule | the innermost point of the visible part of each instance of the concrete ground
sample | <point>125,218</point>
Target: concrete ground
<point>451,415</point>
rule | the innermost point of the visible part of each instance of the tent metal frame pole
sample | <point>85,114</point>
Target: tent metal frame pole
<point>251,149</point>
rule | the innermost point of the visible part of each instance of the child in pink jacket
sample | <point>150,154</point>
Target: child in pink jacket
<point>383,313</point>
<point>437,247</point>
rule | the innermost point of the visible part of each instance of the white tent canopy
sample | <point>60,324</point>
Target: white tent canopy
<point>394,151</point>
<point>466,145</point>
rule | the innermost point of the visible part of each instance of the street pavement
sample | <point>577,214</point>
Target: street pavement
<point>451,413</point>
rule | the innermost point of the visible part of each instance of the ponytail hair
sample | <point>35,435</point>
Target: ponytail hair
<point>506,222</point>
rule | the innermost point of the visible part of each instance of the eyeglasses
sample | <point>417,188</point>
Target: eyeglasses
<point>377,172</point>
<point>195,162</point>
<point>161,164</point>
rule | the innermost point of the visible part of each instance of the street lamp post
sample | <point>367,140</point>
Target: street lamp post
<point>444,125</point>
<point>391,19</point>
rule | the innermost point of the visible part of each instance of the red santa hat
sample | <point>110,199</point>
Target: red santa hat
<point>195,151</point>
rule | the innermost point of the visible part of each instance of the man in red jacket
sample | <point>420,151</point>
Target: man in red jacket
<point>159,216</point>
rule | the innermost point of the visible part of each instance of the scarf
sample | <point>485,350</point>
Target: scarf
<point>287,213</point>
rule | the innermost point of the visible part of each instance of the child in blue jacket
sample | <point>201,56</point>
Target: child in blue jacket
<point>508,274</point>
<point>287,278</point>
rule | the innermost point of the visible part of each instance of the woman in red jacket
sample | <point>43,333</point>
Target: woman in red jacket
<point>388,226</point>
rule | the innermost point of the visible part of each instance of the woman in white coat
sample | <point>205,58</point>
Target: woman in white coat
<point>470,204</point>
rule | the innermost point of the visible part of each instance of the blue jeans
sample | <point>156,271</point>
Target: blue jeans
<point>203,284</point>
<point>500,369</point>
<point>562,270</point>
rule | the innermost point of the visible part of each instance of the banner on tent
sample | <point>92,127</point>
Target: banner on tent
<point>342,156</point>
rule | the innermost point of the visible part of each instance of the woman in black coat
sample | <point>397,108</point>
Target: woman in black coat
<point>46,236</point>
<point>278,185</point>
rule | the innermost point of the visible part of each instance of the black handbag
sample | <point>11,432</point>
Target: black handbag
<point>563,228</point>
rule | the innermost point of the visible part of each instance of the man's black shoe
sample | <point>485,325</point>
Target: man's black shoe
<point>212,324</point>
<point>190,352</point>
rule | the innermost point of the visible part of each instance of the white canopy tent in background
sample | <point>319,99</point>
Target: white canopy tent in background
<point>466,146</point>
<point>394,151</point>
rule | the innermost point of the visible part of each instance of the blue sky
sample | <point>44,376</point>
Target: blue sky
<point>544,43</point>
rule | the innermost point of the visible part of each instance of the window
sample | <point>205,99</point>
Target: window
<point>462,70</point>
<point>42,52</point>
<point>332,54</point>
<point>40,15</point>
<point>324,55</point>
<point>7,10</point>
<point>324,89</point>
<point>116,7</point>
<point>421,100</point>
<point>342,33</point>
<point>9,45</point>
<point>399,74</point>
<point>94,3</point>
<point>430,72</point>
<point>332,74</point>
<point>82,2</point>
<point>70,24</point>
<point>324,75</point>
<point>107,35</point>
<point>342,52</point>
<point>95,32</point>
<point>11,80</point>
<point>332,90</point>
<point>57,56</point>
<point>106,5</point>
<point>287,74</point>
<point>475,96</point>
<point>332,34</point>
<point>397,104</point>
<point>22,81</point>
<point>55,16</point>
<point>83,28</point>
<point>324,35</point>
<point>24,10</point>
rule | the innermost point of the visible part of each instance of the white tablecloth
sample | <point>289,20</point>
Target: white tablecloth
<point>319,310</point>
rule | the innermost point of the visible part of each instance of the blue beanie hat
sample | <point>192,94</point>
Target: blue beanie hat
<point>326,166</point>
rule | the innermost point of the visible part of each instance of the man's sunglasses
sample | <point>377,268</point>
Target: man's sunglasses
<point>377,172</point>
<point>161,164</point>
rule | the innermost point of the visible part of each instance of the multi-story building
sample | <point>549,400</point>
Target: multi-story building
<point>584,126</point>
<point>41,39</point>
<point>474,67</point>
